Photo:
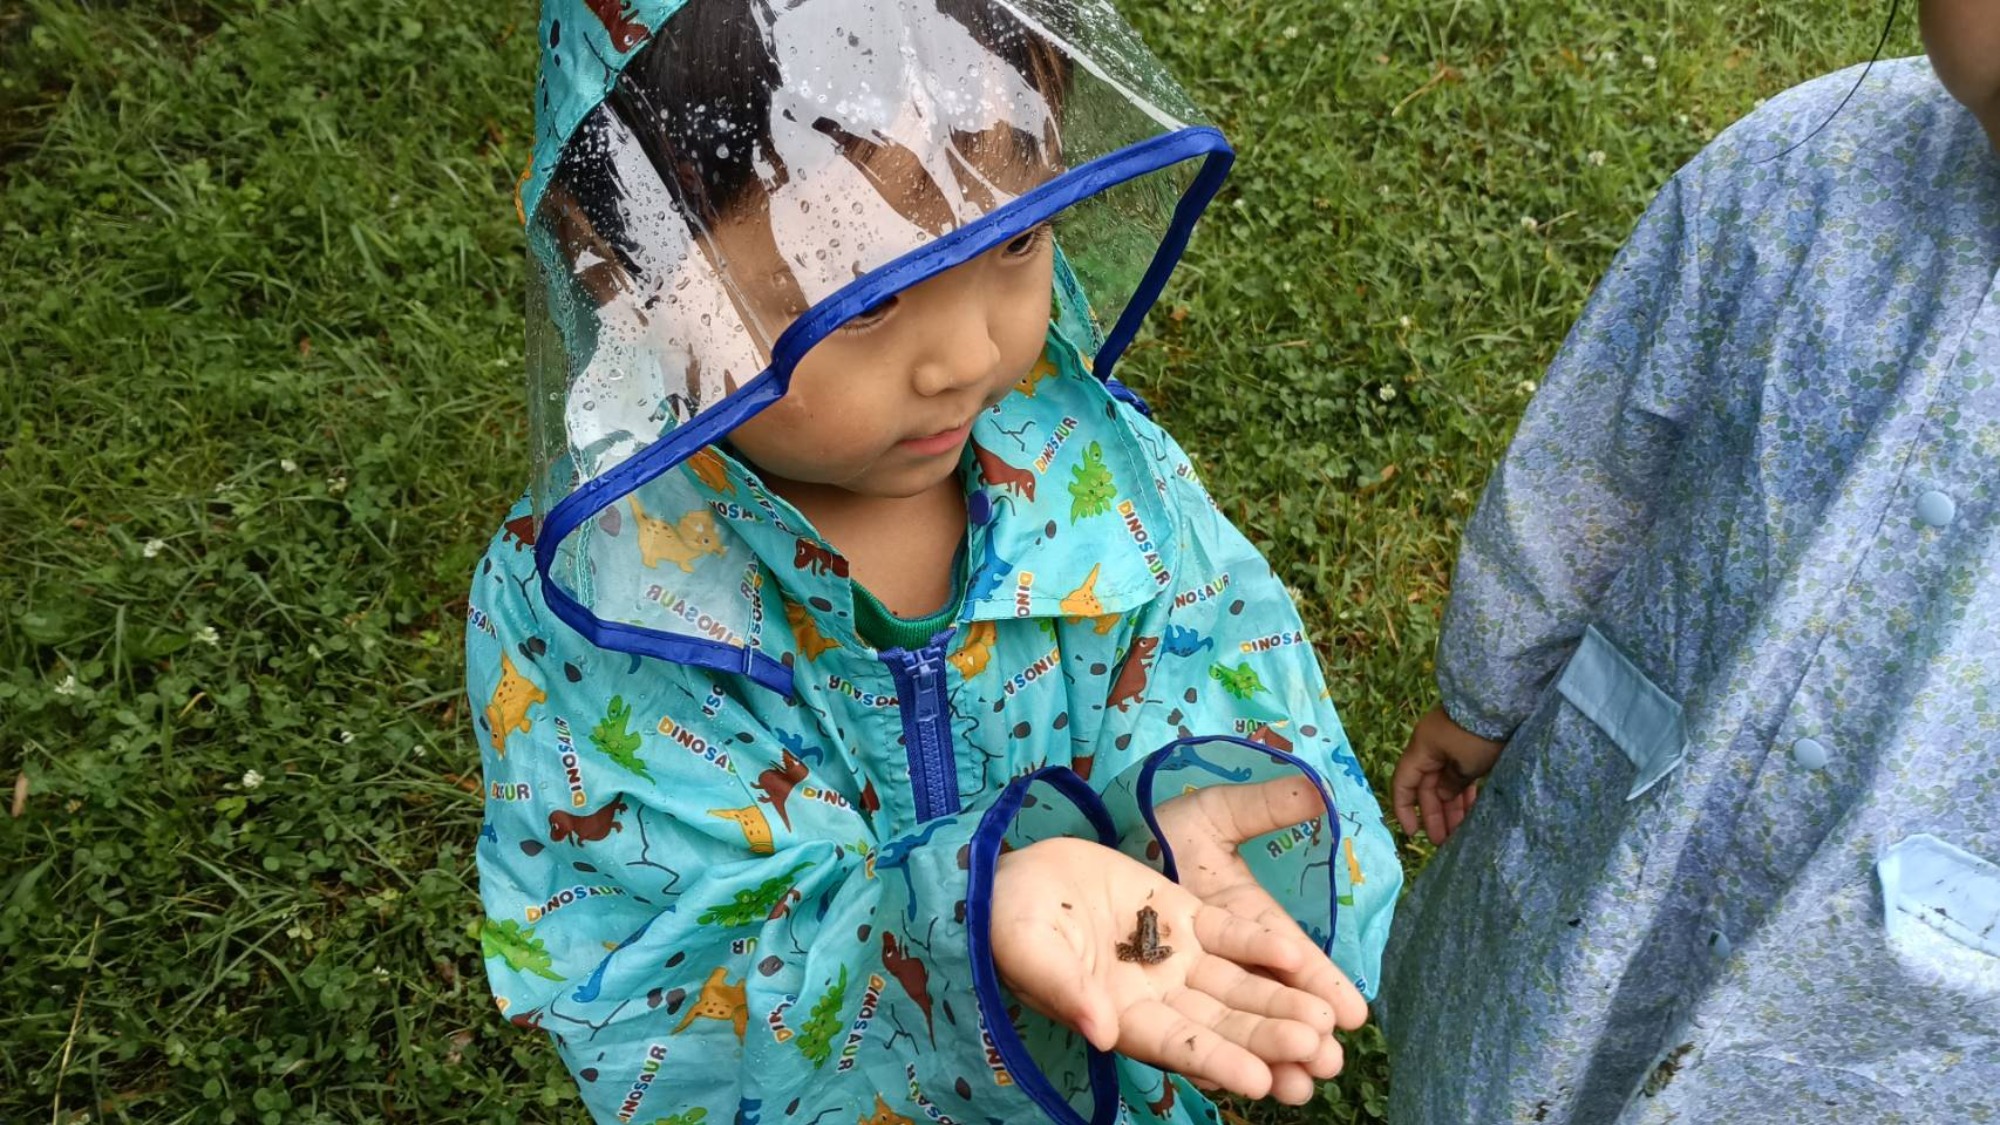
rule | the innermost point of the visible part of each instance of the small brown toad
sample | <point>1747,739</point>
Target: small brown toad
<point>1144,944</point>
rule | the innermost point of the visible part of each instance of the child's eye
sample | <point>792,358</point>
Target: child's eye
<point>871,316</point>
<point>1026,243</point>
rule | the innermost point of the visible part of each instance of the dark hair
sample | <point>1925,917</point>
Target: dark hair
<point>691,94</point>
<point>698,96</point>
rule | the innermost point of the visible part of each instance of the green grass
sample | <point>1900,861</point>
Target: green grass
<point>261,340</point>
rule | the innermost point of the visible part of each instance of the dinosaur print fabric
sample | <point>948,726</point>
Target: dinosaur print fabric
<point>727,902</point>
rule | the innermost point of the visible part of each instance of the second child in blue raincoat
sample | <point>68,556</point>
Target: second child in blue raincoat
<point>1723,631</point>
<point>880,723</point>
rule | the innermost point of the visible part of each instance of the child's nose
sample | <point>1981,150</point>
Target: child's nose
<point>961,352</point>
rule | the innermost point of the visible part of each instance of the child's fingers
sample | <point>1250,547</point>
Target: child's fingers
<point>1403,787</point>
<point>1432,806</point>
<point>1080,1002</point>
<point>1095,1018</point>
<point>1044,971</point>
<point>1242,991</point>
<point>1456,808</point>
<point>1270,1039</point>
<point>1249,811</point>
<point>1290,1084</point>
<point>1152,1032</point>
<point>1249,942</point>
<point>1328,1061</point>
<point>1323,979</point>
<point>1317,974</point>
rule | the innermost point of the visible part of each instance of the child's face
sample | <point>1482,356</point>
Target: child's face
<point>884,405</point>
<point>1962,38</point>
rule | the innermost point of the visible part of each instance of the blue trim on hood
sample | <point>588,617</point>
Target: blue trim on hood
<point>1039,205</point>
<point>979,936</point>
<point>1144,793</point>
<point>929,260</point>
<point>1193,202</point>
<point>597,495</point>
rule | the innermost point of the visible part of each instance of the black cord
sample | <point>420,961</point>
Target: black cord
<point>1888,26</point>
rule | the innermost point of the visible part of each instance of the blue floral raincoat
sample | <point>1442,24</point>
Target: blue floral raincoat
<point>1734,598</point>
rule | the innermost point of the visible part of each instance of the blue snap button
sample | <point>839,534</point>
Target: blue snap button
<point>1718,943</point>
<point>1810,753</point>
<point>1936,508</point>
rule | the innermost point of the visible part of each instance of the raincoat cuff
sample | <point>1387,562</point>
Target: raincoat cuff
<point>1465,708</point>
<point>1004,818</point>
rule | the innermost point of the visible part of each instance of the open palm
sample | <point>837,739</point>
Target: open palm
<point>1205,828</point>
<point>1061,909</point>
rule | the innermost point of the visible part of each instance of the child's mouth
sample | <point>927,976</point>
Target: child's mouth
<point>944,441</point>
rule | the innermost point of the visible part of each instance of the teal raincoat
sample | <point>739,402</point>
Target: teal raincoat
<point>736,860</point>
<point>729,903</point>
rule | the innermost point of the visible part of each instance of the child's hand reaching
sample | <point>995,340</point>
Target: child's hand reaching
<point>1204,828</point>
<point>1437,772</point>
<point>1062,908</point>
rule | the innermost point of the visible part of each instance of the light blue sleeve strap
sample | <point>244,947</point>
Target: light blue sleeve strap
<point>1629,708</point>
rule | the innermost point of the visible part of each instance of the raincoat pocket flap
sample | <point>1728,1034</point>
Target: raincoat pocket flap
<point>1930,884</point>
<point>1630,709</point>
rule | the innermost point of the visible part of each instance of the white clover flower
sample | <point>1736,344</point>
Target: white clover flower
<point>68,685</point>
<point>153,548</point>
<point>1596,158</point>
<point>1405,323</point>
<point>289,465</point>
<point>1382,190</point>
<point>1387,393</point>
<point>1610,58</point>
<point>1528,223</point>
<point>337,485</point>
<point>252,779</point>
<point>207,635</point>
<point>1292,32</point>
<point>1527,386</point>
<point>345,736</point>
<point>381,973</point>
<point>1649,62</point>
<point>1682,118</point>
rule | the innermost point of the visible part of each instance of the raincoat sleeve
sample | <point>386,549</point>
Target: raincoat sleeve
<point>1219,685</point>
<point>695,905</point>
<point>1567,506</point>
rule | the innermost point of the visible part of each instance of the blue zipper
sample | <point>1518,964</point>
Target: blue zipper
<point>920,694</point>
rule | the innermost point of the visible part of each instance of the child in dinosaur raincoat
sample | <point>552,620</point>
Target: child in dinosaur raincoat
<point>880,722</point>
